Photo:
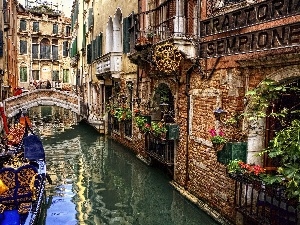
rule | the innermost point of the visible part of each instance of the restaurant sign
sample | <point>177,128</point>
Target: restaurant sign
<point>273,38</point>
<point>248,16</point>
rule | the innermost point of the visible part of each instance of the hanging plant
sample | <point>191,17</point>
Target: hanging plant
<point>123,113</point>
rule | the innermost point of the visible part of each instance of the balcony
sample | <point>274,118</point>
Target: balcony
<point>161,24</point>
<point>109,65</point>
<point>262,204</point>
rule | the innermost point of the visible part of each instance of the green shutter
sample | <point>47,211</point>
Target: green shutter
<point>126,37</point>
<point>84,37</point>
<point>90,18</point>
<point>100,45</point>
<point>89,54</point>
<point>1,43</point>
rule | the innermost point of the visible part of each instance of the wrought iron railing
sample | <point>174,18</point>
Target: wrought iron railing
<point>162,22</point>
<point>160,149</point>
<point>262,204</point>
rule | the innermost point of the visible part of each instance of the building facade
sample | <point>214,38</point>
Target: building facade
<point>98,58</point>
<point>164,75</point>
<point>43,49</point>
<point>8,49</point>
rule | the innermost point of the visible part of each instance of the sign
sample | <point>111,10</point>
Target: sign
<point>274,38</point>
<point>248,16</point>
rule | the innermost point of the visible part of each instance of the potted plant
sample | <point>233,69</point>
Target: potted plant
<point>217,139</point>
<point>123,113</point>
<point>142,124</point>
<point>285,145</point>
<point>158,129</point>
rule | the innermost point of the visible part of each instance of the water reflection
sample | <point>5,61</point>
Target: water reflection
<point>97,181</point>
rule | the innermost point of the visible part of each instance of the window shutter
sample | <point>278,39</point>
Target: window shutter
<point>100,44</point>
<point>54,52</point>
<point>126,37</point>
<point>84,37</point>
<point>93,50</point>
<point>65,49</point>
<point>91,18</point>
<point>35,51</point>
<point>1,43</point>
<point>89,54</point>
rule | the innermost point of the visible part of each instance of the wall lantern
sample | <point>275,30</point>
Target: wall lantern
<point>219,113</point>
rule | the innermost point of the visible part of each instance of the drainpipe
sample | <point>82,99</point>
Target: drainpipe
<point>187,89</point>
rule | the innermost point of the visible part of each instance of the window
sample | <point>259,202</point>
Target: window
<point>35,75</point>
<point>66,76</point>
<point>55,75</point>
<point>68,31</point>
<point>89,54</point>
<point>23,74</point>
<point>54,52</point>
<point>65,49</point>
<point>35,27</point>
<point>23,47</point>
<point>22,25</point>
<point>45,49</point>
<point>35,51</point>
<point>55,28</point>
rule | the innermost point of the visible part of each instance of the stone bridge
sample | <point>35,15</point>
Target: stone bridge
<point>39,97</point>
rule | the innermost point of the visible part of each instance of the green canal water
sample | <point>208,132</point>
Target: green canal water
<point>96,181</point>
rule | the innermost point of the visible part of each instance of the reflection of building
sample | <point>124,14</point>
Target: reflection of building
<point>43,48</point>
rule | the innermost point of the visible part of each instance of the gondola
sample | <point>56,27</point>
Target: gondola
<point>22,180</point>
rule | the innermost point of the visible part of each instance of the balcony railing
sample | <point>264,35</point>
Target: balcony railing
<point>263,205</point>
<point>110,63</point>
<point>164,21</point>
<point>160,149</point>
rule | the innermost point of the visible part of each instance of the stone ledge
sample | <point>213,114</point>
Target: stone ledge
<point>202,205</point>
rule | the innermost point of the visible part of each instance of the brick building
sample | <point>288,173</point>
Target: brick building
<point>194,59</point>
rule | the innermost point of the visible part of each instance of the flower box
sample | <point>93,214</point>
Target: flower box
<point>172,131</point>
<point>231,151</point>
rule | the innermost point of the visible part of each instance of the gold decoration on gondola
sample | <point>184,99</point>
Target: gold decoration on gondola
<point>167,57</point>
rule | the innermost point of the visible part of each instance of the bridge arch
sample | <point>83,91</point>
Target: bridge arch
<point>39,97</point>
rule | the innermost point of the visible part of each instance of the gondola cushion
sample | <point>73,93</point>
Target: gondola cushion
<point>21,188</point>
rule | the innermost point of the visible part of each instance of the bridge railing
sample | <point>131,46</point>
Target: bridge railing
<point>38,97</point>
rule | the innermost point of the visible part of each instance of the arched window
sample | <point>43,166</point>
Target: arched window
<point>45,49</point>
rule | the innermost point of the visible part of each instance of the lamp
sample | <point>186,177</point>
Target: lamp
<point>164,107</point>
<point>219,112</point>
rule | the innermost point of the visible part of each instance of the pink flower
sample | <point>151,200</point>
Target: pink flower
<point>221,133</point>
<point>213,132</point>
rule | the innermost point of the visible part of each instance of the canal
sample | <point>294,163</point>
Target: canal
<point>96,181</point>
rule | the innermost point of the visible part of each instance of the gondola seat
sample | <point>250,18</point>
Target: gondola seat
<point>21,184</point>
